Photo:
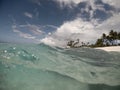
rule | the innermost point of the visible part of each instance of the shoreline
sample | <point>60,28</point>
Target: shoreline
<point>110,48</point>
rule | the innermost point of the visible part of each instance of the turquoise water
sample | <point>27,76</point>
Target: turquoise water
<point>41,67</point>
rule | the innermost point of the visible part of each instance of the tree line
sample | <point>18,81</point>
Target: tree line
<point>77,43</point>
<point>112,39</point>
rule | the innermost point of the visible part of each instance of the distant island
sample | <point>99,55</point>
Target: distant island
<point>112,39</point>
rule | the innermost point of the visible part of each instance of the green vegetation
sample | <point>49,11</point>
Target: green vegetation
<point>112,39</point>
<point>72,44</point>
<point>77,44</point>
<point>108,40</point>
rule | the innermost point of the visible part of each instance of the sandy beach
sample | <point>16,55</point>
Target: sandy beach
<point>111,48</point>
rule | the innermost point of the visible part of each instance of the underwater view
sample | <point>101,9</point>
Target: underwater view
<point>41,67</point>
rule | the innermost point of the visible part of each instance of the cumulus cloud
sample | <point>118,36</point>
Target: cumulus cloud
<point>111,23</point>
<point>115,3</point>
<point>29,15</point>
<point>86,31</point>
<point>73,3</point>
<point>69,3</point>
<point>75,29</point>
<point>91,7</point>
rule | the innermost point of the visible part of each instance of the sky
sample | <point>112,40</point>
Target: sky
<point>54,22</point>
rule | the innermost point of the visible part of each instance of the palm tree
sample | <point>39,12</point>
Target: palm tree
<point>75,43</point>
<point>99,43</point>
<point>115,37</point>
<point>70,43</point>
<point>119,35</point>
<point>104,38</point>
<point>111,37</point>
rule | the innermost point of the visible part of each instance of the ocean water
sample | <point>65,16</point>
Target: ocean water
<point>41,67</point>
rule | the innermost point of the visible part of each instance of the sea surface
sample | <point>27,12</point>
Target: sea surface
<point>41,67</point>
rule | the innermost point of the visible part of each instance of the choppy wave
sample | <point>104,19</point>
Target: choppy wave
<point>41,67</point>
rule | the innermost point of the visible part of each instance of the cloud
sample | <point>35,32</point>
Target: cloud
<point>34,38</point>
<point>70,3</point>
<point>29,15</point>
<point>89,9</point>
<point>111,23</point>
<point>107,7</point>
<point>24,35</point>
<point>52,26</point>
<point>36,2</point>
<point>36,11</point>
<point>33,32</point>
<point>33,28</point>
<point>75,29</point>
<point>86,31</point>
<point>115,3</point>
